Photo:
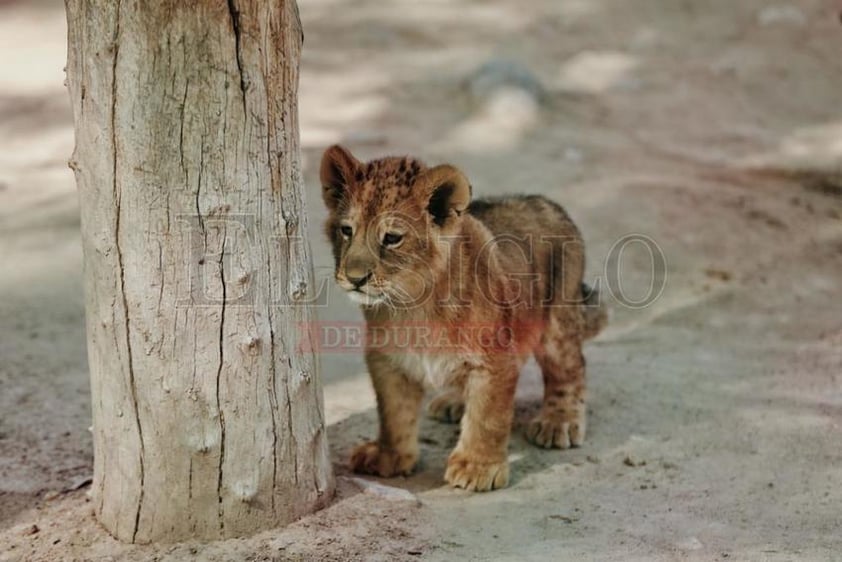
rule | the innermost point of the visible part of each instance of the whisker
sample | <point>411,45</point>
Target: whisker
<point>403,295</point>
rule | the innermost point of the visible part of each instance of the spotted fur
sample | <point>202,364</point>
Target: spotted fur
<point>511,267</point>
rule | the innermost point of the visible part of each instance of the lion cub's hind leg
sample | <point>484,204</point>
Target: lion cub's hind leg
<point>447,406</point>
<point>561,421</point>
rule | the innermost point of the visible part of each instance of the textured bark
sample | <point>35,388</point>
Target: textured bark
<point>208,417</point>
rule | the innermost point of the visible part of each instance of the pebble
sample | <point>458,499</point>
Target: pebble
<point>27,530</point>
<point>79,483</point>
<point>633,460</point>
<point>503,74</point>
<point>387,492</point>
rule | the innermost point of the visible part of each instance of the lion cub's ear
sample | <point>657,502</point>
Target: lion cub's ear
<point>448,193</point>
<point>338,171</point>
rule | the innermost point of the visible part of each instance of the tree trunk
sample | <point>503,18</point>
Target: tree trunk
<point>207,413</point>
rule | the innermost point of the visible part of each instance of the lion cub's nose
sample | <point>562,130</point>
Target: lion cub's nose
<point>356,280</point>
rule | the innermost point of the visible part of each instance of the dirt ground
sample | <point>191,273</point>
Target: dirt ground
<point>714,128</point>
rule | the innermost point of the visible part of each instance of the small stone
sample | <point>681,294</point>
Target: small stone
<point>51,495</point>
<point>501,74</point>
<point>387,492</point>
<point>564,518</point>
<point>79,483</point>
<point>718,274</point>
<point>633,460</point>
<point>785,14</point>
<point>593,459</point>
<point>27,530</point>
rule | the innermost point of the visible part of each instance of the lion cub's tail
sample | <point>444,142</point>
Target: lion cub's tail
<point>594,311</point>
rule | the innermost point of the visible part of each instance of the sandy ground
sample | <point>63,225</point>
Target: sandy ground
<point>714,128</point>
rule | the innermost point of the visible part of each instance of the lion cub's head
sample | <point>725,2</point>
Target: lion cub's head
<point>387,221</point>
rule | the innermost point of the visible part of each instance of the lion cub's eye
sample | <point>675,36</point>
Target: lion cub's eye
<point>392,239</point>
<point>346,230</point>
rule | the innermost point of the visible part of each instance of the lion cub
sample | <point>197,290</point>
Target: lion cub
<point>457,295</point>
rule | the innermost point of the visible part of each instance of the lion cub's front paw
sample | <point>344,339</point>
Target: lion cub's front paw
<point>447,407</point>
<point>557,429</point>
<point>372,458</point>
<point>476,475</point>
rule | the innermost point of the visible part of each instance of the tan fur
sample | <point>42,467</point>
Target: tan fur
<point>472,291</point>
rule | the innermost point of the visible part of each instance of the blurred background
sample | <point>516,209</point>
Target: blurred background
<point>713,128</point>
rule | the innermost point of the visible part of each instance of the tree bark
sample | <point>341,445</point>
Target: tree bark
<point>207,413</point>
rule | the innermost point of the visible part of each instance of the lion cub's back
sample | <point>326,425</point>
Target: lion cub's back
<point>523,216</point>
<point>542,239</point>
